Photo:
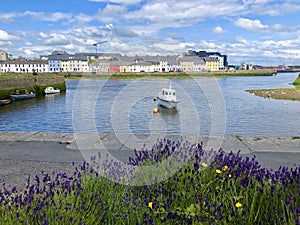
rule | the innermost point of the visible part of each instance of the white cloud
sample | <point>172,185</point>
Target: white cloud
<point>219,30</point>
<point>241,40</point>
<point>208,45</point>
<point>47,17</point>
<point>268,52</point>
<point>43,35</point>
<point>8,17</point>
<point>256,26</point>
<point>249,2</point>
<point>275,8</point>
<point>57,39</point>
<point>122,2</point>
<point>28,52</point>
<point>149,26</point>
<point>168,47</point>
<point>251,25</point>
<point>184,13</point>
<point>112,14</point>
<point>4,36</point>
<point>84,18</point>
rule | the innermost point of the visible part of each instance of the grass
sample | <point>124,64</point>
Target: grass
<point>221,189</point>
<point>297,81</point>
<point>171,75</point>
<point>144,75</point>
<point>25,75</point>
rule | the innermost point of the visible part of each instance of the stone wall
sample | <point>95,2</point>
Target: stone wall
<point>7,84</point>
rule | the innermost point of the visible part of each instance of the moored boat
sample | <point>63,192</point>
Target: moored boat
<point>167,98</point>
<point>15,97</point>
<point>51,90</point>
<point>5,101</point>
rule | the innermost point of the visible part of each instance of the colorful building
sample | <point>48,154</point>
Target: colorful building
<point>212,64</point>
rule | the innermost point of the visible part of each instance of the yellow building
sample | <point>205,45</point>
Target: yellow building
<point>212,64</point>
<point>65,66</point>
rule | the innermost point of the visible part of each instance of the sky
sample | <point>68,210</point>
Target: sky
<point>260,32</point>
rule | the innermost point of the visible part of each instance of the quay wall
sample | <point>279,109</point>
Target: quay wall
<point>35,84</point>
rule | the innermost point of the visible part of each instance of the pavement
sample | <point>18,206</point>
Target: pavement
<point>29,153</point>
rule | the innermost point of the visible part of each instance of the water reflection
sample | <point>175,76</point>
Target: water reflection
<point>125,106</point>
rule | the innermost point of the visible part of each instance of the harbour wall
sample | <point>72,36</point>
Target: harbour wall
<point>35,84</point>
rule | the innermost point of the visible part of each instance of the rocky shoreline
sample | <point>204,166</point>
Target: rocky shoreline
<point>282,93</point>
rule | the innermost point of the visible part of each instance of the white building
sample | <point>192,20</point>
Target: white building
<point>16,66</point>
<point>221,59</point>
<point>61,61</point>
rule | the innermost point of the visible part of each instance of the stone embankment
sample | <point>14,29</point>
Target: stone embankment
<point>35,84</point>
<point>29,153</point>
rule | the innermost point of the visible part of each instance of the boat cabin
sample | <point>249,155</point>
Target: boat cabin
<point>168,92</point>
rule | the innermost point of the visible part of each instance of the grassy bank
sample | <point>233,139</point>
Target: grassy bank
<point>297,81</point>
<point>278,93</point>
<point>148,75</point>
<point>246,73</point>
<point>168,75</point>
<point>227,189</point>
<point>27,75</point>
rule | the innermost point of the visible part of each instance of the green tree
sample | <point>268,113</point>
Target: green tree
<point>34,73</point>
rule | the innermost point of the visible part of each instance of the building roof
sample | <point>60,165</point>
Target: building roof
<point>57,52</point>
<point>16,61</point>
<point>211,59</point>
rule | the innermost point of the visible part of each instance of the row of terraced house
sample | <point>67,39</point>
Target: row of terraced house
<point>61,61</point>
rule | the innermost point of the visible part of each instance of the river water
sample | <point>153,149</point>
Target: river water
<point>209,106</point>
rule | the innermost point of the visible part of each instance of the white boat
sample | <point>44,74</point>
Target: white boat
<point>51,90</point>
<point>5,101</point>
<point>167,98</point>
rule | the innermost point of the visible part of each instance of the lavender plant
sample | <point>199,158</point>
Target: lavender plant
<point>207,188</point>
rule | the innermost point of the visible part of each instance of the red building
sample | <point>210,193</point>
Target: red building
<point>114,67</point>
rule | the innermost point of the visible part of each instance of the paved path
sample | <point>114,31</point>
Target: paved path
<point>29,153</point>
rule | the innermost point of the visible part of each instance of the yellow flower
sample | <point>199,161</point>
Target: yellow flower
<point>238,205</point>
<point>225,168</point>
<point>150,205</point>
<point>218,171</point>
<point>204,164</point>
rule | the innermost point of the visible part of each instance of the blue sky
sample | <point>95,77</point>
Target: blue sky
<point>264,32</point>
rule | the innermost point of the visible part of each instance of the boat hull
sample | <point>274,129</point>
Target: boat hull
<point>22,97</point>
<point>5,101</point>
<point>167,104</point>
<point>51,90</point>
